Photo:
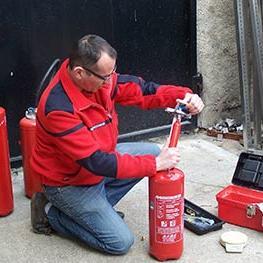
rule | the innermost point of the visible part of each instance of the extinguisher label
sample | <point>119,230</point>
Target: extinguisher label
<point>169,218</point>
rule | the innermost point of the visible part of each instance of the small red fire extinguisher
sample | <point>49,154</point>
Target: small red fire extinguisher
<point>166,203</point>
<point>6,190</point>
<point>27,126</point>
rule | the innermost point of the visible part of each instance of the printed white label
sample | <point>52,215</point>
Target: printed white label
<point>169,218</point>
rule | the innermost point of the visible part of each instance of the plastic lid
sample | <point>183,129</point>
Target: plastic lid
<point>233,241</point>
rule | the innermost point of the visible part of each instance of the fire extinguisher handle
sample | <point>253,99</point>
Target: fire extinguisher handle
<point>175,133</point>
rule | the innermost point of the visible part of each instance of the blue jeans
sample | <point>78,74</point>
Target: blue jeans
<point>87,213</point>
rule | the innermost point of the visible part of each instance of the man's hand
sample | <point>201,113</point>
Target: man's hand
<point>193,103</point>
<point>167,159</point>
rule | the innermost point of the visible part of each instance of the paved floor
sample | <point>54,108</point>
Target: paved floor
<point>208,166</point>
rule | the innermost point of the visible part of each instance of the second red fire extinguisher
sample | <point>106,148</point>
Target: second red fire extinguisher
<point>166,204</point>
<point>27,126</point>
<point>6,190</point>
<point>32,181</point>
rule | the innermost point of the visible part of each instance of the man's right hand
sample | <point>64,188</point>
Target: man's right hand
<point>167,159</point>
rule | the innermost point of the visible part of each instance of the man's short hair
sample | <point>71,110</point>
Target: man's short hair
<point>87,51</point>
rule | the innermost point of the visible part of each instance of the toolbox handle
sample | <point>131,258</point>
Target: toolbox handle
<point>252,209</point>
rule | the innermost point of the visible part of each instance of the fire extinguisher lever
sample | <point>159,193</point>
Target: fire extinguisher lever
<point>179,112</point>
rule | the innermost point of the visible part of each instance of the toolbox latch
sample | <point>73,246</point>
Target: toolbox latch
<point>251,210</point>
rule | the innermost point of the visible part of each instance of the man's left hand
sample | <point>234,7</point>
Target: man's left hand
<point>193,103</point>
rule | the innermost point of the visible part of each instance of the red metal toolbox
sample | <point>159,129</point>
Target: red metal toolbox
<point>242,203</point>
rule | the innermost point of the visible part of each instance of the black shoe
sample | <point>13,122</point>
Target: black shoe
<point>121,214</point>
<point>39,220</point>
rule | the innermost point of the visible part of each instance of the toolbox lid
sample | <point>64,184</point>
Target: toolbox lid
<point>249,171</point>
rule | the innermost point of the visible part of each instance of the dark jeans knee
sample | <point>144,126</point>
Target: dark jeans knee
<point>122,245</point>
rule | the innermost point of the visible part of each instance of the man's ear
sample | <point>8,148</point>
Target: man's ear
<point>78,72</point>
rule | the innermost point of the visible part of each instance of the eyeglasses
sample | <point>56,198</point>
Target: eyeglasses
<point>104,78</point>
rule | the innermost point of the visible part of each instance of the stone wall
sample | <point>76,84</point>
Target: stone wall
<point>217,61</point>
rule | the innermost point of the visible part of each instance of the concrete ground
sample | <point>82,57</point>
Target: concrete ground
<point>208,165</point>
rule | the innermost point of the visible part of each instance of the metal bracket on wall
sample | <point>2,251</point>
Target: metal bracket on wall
<point>250,55</point>
<point>197,82</point>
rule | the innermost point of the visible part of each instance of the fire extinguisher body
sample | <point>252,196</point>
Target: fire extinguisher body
<point>6,190</point>
<point>166,201</point>
<point>32,181</point>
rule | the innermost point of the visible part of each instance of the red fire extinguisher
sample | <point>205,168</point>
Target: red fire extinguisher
<point>166,203</point>
<point>27,126</point>
<point>32,181</point>
<point>6,190</point>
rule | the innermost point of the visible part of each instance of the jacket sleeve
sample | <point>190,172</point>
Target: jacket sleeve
<point>120,166</point>
<point>132,90</point>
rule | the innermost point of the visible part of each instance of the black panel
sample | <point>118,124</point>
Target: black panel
<point>248,172</point>
<point>154,39</point>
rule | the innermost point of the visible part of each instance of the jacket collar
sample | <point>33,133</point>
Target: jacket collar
<point>79,100</point>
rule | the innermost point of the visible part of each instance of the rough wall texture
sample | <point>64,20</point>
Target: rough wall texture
<point>217,61</point>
